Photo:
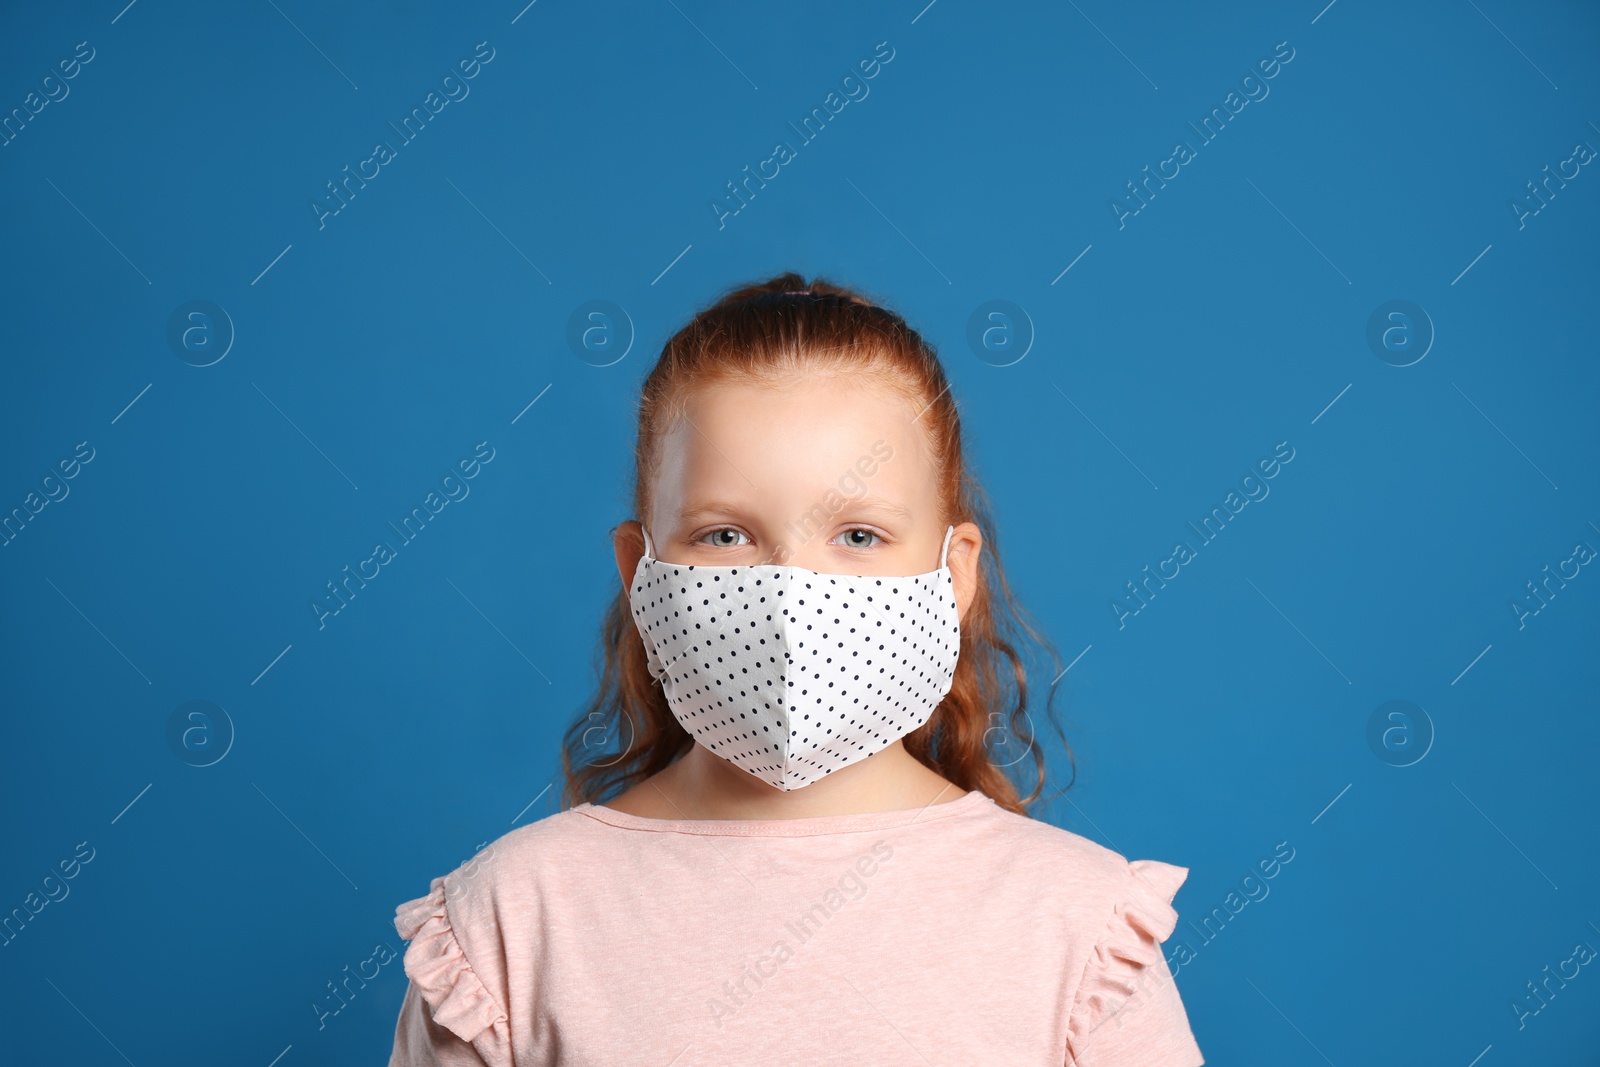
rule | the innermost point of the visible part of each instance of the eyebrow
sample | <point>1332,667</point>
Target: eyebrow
<point>867,503</point>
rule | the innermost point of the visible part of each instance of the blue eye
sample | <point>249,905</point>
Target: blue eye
<point>858,530</point>
<point>718,533</point>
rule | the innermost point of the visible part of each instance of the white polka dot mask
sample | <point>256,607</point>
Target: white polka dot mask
<point>792,674</point>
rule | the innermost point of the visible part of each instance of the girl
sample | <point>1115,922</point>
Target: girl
<point>784,839</point>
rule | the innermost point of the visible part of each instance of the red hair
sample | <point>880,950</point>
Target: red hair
<point>757,333</point>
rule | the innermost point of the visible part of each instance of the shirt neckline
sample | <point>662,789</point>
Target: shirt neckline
<point>808,826</point>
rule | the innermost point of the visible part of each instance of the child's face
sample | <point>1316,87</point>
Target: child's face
<point>819,472</point>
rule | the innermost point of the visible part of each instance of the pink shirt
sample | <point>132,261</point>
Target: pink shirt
<point>956,934</point>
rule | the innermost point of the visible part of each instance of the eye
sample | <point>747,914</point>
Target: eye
<point>852,540</point>
<point>721,534</point>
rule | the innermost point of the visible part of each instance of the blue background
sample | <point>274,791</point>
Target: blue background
<point>371,353</point>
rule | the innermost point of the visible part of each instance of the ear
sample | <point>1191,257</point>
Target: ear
<point>966,544</point>
<point>627,539</point>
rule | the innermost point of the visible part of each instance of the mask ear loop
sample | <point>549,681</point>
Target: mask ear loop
<point>649,553</point>
<point>944,552</point>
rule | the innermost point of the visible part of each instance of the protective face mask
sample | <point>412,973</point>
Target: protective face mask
<point>791,674</point>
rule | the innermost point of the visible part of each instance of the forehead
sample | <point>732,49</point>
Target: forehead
<point>800,434</point>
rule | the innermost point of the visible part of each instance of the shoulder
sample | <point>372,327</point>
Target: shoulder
<point>510,870</point>
<point>1087,866</point>
<point>1117,912</point>
<point>1098,898</point>
<point>466,932</point>
<point>1055,841</point>
<point>497,865</point>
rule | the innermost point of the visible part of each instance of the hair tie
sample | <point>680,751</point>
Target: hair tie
<point>798,292</point>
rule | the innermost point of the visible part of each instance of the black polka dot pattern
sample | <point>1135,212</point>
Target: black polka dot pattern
<point>792,674</point>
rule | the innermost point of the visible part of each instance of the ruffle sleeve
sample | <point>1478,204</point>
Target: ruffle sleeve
<point>1127,1012</point>
<point>455,996</point>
